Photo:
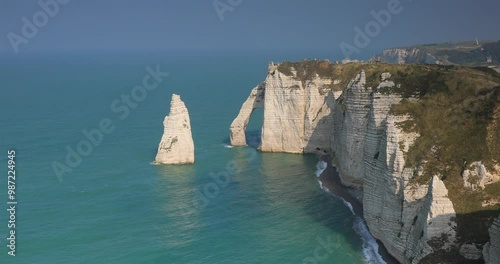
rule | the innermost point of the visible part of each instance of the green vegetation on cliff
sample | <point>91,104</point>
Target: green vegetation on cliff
<point>306,70</point>
<point>454,115</point>
<point>457,115</point>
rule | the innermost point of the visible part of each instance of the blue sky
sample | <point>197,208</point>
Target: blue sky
<point>168,25</point>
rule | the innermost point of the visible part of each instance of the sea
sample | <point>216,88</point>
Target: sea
<point>105,201</point>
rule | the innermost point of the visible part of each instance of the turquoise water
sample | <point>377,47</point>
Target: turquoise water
<point>116,207</point>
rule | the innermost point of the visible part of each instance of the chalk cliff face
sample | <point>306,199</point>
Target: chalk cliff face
<point>412,213</point>
<point>349,130</point>
<point>297,114</point>
<point>416,221</point>
<point>176,146</point>
<point>293,110</point>
<point>369,149</point>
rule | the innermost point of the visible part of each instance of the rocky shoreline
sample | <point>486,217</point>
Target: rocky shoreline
<point>330,181</point>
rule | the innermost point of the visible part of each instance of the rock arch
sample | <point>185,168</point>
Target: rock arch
<point>255,100</point>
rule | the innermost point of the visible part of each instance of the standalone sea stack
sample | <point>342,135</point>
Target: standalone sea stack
<point>176,146</point>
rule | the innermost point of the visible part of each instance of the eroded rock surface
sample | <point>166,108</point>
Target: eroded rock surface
<point>176,146</point>
<point>477,176</point>
<point>297,113</point>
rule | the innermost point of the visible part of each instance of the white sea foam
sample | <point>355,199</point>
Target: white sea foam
<point>228,146</point>
<point>320,168</point>
<point>370,246</point>
<point>323,187</point>
<point>154,163</point>
<point>349,205</point>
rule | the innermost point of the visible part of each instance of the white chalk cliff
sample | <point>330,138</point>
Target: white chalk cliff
<point>176,146</point>
<point>349,131</point>
<point>369,148</point>
<point>297,114</point>
<point>353,123</point>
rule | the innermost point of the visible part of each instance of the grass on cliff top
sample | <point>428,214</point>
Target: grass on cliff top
<point>306,70</point>
<point>457,116</point>
<point>415,79</point>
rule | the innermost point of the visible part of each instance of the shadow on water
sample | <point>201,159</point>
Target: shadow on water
<point>253,139</point>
